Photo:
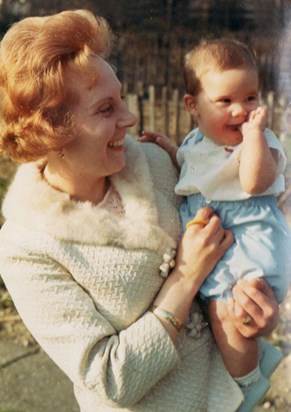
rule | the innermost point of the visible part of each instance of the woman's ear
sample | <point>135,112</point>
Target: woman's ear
<point>191,104</point>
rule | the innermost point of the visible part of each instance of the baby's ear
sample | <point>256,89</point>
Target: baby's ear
<point>191,104</point>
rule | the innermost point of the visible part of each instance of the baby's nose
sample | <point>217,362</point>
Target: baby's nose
<point>239,109</point>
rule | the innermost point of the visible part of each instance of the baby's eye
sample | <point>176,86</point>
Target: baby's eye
<point>251,98</point>
<point>224,101</point>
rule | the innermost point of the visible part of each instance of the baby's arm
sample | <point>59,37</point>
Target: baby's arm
<point>163,142</point>
<point>258,162</point>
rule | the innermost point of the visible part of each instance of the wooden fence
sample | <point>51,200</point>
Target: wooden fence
<point>162,109</point>
<point>159,109</point>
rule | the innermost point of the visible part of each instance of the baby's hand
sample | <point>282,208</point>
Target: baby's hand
<point>163,142</point>
<point>257,120</point>
<point>155,137</point>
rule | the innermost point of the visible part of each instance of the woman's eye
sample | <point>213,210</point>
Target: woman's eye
<point>251,98</point>
<point>105,109</point>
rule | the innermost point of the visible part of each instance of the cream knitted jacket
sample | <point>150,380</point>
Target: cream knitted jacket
<point>82,279</point>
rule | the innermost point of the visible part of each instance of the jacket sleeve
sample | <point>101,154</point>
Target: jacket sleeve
<point>121,367</point>
<point>163,173</point>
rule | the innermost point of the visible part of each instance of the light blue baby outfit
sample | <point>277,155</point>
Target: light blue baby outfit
<point>209,177</point>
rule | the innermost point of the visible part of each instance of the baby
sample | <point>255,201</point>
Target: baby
<point>235,165</point>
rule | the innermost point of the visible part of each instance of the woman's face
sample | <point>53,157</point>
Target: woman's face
<point>101,121</point>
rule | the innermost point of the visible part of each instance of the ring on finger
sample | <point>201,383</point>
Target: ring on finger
<point>197,221</point>
<point>246,320</point>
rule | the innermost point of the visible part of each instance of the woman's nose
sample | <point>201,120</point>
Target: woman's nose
<point>127,119</point>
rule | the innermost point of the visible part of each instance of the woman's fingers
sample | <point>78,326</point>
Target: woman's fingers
<point>254,299</point>
<point>208,222</point>
<point>210,239</point>
<point>200,247</point>
<point>201,219</point>
<point>209,227</point>
<point>261,285</point>
<point>255,296</point>
<point>242,321</point>
<point>227,240</point>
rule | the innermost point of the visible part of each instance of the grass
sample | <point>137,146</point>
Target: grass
<point>3,187</point>
<point>7,170</point>
<point>9,410</point>
<point>5,299</point>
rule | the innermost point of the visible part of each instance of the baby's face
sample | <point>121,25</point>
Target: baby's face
<point>225,102</point>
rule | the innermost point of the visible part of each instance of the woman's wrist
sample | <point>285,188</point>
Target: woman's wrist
<point>177,294</point>
<point>167,316</point>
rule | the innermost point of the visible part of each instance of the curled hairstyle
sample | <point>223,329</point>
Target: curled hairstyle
<point>215,55</point>
<point>35,101</point>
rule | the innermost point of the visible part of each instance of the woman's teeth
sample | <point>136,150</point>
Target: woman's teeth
<point>116,143</point>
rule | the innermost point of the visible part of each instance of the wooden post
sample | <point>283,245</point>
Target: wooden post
<point>124,88</point>
<point>176,114</point>
<point>165,110</point>
<point>270,104</point>
<point>140,107</point>
<point>132,105</point>
<point>152,108</point>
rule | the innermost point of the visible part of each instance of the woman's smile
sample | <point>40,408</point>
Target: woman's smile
<point>116,144</point>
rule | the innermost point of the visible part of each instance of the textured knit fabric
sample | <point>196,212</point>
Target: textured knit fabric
<point>83,278</point>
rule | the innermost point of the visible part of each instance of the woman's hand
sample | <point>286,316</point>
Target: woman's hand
<point>254,308</point>
<point>200,248</point>
<point>202,245</point>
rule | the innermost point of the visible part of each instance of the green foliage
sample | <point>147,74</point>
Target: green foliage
<point>3,187</point>
<point>9,410</point>
<point>5,299</point>
<point>7,170</point>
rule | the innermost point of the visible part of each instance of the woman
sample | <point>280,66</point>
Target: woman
<point>91,231</point>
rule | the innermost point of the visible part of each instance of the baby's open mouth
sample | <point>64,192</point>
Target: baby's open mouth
<point>235,127</point>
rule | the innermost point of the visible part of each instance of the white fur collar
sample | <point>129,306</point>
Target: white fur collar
<point>34,204</point>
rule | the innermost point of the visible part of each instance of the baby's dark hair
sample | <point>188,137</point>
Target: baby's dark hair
<point>215,55</point>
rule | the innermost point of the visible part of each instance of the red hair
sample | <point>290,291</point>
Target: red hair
<point>35,101</point>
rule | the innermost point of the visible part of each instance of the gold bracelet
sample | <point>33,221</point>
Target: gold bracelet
<point>168,316</point>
